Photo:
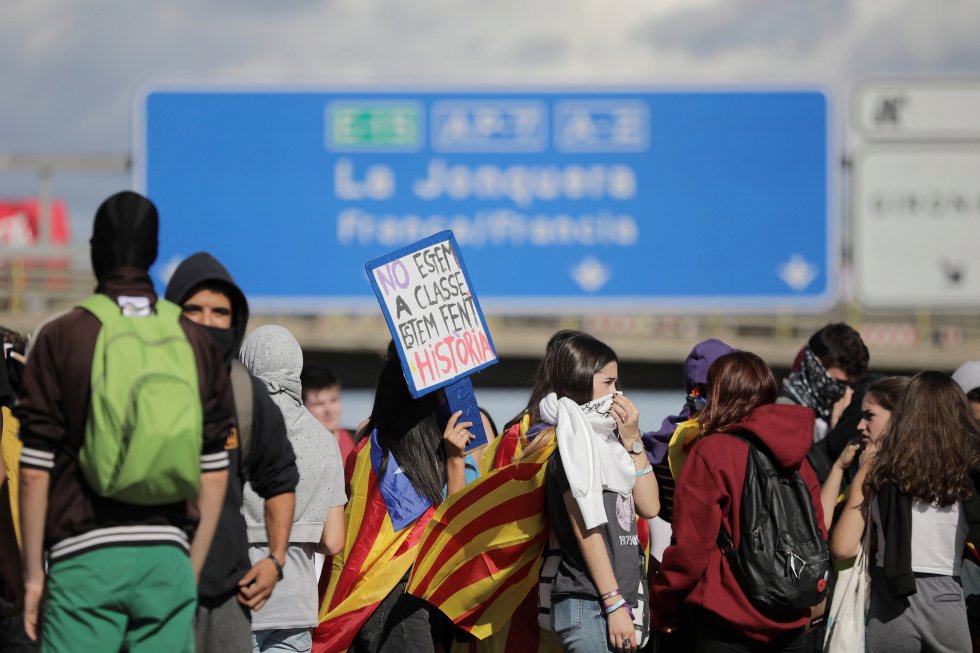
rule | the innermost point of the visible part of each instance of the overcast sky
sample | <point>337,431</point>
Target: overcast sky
<point>70,69</point>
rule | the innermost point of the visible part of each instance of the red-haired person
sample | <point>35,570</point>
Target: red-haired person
<point>741,399</point>
<point>913,485</point>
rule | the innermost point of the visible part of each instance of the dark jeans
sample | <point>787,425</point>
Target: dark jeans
<point>400,623</point>
<point>682,639</point>
<point>222,625</point>
<point>715,636</point>
<point>13,639</point>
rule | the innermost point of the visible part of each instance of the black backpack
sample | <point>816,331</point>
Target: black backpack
<point>782,562</point>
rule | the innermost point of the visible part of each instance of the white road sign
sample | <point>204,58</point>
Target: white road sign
<point>917,226</point>
<point>918,110</point>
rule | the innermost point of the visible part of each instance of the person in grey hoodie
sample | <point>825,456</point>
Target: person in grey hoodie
<point>272,354</point>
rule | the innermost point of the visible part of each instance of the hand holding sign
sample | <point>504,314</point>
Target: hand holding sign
<point>457,436</point>
<point>436,322</point>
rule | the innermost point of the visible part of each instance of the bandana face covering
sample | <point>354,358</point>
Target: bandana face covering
<point>599,414</point>
<point>814,388</point>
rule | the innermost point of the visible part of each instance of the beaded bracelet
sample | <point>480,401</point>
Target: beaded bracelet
<point>615,606</point>
<point>643,472</point>
<point>609,595</point>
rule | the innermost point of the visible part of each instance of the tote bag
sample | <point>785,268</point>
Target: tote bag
<point>849,605</point>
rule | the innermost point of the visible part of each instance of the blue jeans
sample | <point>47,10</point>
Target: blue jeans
<point>286,640</point>
<point>579,624</point>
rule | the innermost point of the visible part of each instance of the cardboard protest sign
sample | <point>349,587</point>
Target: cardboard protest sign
<point>435,319</point>
<point>427,299</point>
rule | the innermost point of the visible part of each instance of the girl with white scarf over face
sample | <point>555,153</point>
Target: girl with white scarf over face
<point>598,481</point>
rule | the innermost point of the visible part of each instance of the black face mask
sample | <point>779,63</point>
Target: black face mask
<point>224,339</point>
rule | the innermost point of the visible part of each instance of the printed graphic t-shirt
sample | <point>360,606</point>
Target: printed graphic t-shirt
<point>618,533</point>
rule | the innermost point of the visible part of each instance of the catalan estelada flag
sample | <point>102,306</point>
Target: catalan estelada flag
<point>375,556</point>
<point>480,556</point>
<point>505,449</point>
<point>520,633</point>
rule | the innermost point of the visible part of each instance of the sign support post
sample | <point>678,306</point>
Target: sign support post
<point>459,396</point>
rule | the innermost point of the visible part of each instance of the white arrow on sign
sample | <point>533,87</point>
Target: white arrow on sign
<point>797,272</point>
<point>953,271</point>
<point>590,274</point>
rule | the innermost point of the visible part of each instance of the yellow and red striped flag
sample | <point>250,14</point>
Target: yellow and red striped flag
<point>479,558</point>
<point>507,448</point>
<point>480,554</point>
<point>520,633</point>
<point>374,559</point>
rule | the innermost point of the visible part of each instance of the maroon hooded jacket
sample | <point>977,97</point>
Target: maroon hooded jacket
<point>708,498</point>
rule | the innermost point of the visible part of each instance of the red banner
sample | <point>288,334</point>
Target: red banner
<point>20,223</point>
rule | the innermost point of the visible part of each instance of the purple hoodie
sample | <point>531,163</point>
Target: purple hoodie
<point>696,367</point>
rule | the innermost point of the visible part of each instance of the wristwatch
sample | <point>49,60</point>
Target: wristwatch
<point>636,448</point>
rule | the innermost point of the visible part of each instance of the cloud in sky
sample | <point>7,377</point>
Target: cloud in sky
<point>70,70</point>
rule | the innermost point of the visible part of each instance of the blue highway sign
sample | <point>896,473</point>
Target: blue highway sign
<point>561,200</point>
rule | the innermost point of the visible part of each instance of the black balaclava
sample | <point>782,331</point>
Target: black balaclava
<point>124,234</point>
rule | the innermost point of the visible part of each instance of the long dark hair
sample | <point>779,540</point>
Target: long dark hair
<point>570,370</point>
<point>541,380</point>
<point>931,443</point>
<point>409,428</point>
<point>738,383</point>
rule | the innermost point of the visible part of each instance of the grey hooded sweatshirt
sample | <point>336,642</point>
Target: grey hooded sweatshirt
<point>272,354</point>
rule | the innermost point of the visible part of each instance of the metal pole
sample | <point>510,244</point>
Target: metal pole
<point>44,228</point>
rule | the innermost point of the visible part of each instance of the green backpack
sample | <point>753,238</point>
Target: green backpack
<point>144,432</point>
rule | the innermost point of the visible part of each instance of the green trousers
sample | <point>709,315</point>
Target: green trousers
<point>140,599</point>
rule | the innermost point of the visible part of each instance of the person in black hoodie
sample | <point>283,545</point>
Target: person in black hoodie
<point>229,585</point>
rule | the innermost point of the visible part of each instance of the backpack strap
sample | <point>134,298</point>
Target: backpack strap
<point>724,540</point>
<point>753,443</point>
<point>101,306</point>
<point>241,387</point>
<point>105,309</point>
